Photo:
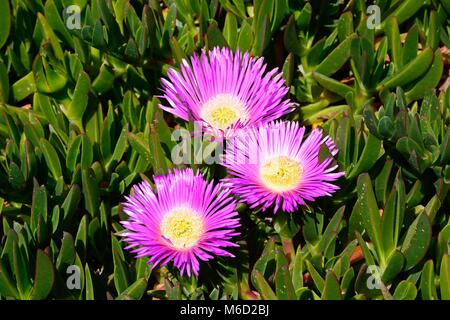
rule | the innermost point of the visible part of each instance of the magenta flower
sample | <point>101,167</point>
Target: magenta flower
<point>225,91</point>
<point>186,220</point>
<point>272,164</point>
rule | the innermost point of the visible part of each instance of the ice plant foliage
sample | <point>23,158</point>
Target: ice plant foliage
<point>274,165</point>
<point>225,91</point>
<point>77,130</point>
<point>186,220</point>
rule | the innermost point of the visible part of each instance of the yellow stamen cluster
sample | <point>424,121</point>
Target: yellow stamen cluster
<point>223,117</point>
<point>182,227</point>
<point>281,174</point>
<point>222,111</point>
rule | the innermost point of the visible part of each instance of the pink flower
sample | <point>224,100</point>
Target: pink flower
<point>274,164</point>
<point>186,220</point>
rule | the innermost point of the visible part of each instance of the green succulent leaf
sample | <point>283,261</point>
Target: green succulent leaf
<point>416,241</point>
<point>427,286</point>
<point>445,277</point>
<point>44,276</point>
<point>7,285</point>
<point>370,213</point>
<point>79,102</point>
<point>121,276</point>
<point>332,290</point>
<point>264,288</point>
<point>336,58</point>
<point>406,290</point>
<point>89,285</point>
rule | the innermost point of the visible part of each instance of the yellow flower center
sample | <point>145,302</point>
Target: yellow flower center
<point>182,227</point>
<point>281,174</point>
<point>223,117</point>
<point>223,110</point>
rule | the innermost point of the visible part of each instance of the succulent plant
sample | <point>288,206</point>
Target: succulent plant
<point>80,123</point>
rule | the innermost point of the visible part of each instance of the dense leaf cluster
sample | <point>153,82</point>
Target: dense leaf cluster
<point>80,123</point>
